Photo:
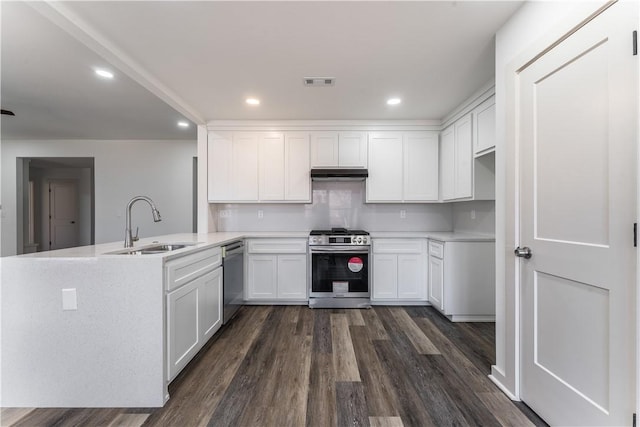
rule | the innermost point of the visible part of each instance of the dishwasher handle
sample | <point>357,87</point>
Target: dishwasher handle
<point>232,249</point>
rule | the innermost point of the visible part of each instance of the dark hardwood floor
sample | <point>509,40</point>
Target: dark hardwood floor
<point>294,366</point>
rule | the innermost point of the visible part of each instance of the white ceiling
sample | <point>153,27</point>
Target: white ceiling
<point>204,58</point>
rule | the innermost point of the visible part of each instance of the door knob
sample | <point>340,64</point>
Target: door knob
<point>523,252</point>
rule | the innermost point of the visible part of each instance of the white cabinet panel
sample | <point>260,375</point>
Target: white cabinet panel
<point>385,180</point>
<point>399,270</point>
<point>219,155</point>
<point>338,149</point>
<point>245,167</point>
<point>210,304</point>
<point>183,326</point>
<point>456,145</point>
<point>464,158</point>
<point>262,280</point>
<point>272,166</point>
<point>276,270</point>
<point>436,282</point>
<point>411,278</point>
<point>448,163</point>
<point>292,277</point>
<point>232,167</point>
<point>462,280</point>
<point>352,149</point>
<point>484,122</point>
<point>324,149</point>
<point>297,186</point>
<point>420,167</point>
<point>385,277</point>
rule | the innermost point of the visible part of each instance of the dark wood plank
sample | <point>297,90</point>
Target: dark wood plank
<point>321,401</point>
<point>305,322</point>
<point>382,400</point>
<point>415,371</point>
<point>351,404</point>
<point>322,331</point>
<point>375,329</point>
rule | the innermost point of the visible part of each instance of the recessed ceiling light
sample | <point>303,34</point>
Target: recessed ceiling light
<point>393,101</point>
<point>183,124</point>
<point>104,73</point>
<point>253,101</point>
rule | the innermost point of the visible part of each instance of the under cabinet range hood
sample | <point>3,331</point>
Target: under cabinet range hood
<point>339,174</point>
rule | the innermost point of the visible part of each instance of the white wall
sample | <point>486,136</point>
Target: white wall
<point>335,204</point>
<point>475,217</point>
<point>533,27</point>
<point>161,170</point>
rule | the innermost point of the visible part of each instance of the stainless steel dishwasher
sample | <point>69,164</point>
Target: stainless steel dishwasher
<point>233,279</point>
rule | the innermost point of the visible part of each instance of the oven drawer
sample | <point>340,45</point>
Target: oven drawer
<point>277,246</point>
<point>398,246</point>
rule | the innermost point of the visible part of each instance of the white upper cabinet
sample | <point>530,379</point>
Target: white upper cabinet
<point>457,160</point>
<point>272,166</point>
<point>339,149</point>
<point>258,167</point>
<point>420,167</point>
<point>232,166</point>
<point>484,127</point>
<point>385,180</point>
<point>403,167</point>
<point>297,182</point>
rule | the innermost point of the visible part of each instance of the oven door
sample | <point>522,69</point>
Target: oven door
<point>339,272</point>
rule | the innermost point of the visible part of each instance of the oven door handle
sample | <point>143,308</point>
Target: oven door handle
<point>338,249</point>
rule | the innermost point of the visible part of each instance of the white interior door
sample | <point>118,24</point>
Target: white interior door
<point>577,119</point>
<point>63,214</point>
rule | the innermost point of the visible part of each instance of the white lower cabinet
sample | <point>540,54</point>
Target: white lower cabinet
<point>194,307</point>
<point>276,270</point>
<point>399,270</point>
<point>462,279</point>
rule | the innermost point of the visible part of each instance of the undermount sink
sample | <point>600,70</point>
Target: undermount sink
<point>153,249</point>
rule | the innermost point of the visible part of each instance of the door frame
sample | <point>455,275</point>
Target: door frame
<point>507,376</point>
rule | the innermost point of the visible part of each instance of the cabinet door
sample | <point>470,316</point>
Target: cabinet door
<point>436,282</point>
<point>210,304</point>
<point>484,122</point>
<point>245,167</point>
<point>324,149</point>
<point>297,185</point>
<point>183,338</point>
<point>292,277</point>
<point>411,278</point>
<point>262,277</point>
<point>447,163</point>
<point>272,166</point>
<point>385,277</point>
<point>352,149</point>
<point>420,167</point>
<point>464,158</point>
<point>385,167</point>
<point>219,155</point>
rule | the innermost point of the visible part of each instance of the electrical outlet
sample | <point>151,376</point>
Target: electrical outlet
<point>224,213</point>
<point>69,299</point>
<point>260,213</point>
<point>473,214</point>
<point>403,213</point>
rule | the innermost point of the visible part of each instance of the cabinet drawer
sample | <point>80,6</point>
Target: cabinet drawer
<point>277,246</point>
<point>398,246</point>
<point>436,249</point>
<point>184,269</point>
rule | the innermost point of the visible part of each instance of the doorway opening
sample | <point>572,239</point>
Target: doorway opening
<point>56,203</point>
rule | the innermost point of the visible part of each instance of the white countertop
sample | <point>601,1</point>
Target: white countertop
<point>202,241</point>
<point>443,236</point>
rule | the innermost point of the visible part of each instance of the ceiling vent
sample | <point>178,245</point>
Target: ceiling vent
<point>319,81</point>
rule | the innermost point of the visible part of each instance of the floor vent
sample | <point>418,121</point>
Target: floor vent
<point>319,81</point>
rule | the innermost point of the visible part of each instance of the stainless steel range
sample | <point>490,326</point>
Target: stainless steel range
<point>339,273</point>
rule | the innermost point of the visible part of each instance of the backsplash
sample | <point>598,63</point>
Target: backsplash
<point>335,204</point>
<point>475,217</point>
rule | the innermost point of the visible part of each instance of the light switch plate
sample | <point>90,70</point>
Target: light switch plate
<point>403,213</point>
<point>69,299</point>
<point>260,213</point>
